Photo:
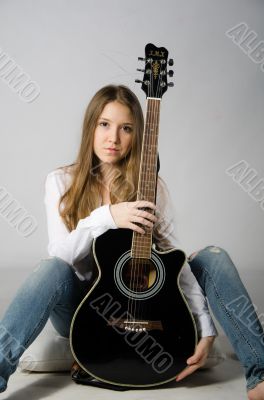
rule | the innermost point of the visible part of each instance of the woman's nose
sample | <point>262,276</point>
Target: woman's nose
<point>114,135</point>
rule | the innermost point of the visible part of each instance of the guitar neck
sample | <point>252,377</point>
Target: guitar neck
<point>141,244</point>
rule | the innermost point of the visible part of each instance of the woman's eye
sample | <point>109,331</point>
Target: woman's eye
<point>127,129</point>
<point>103,123</point>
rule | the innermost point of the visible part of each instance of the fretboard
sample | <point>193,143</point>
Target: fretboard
<point>141,243</point>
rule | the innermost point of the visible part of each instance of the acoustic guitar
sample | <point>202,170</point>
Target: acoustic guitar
<point>134,327</point>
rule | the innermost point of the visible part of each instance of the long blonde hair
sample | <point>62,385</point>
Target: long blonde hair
<point>84,194</point>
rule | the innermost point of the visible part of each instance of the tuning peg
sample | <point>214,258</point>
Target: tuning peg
<point>141,59</point>
<point>140,70</point>
<point>171,73</point>
<point>171,62</point>
<point>170,84</point>
<point>138,81</point>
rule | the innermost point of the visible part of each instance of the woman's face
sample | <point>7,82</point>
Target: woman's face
<point>113,133</point>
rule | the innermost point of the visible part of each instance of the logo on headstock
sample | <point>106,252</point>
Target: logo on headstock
<point>156,67</point>
<point>157,53</point>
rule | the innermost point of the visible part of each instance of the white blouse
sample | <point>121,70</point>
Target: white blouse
<point>74,247</point>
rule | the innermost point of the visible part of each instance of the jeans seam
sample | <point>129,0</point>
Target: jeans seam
<point>255,382</point>
<point>232,319</point>
<point>44,314</point>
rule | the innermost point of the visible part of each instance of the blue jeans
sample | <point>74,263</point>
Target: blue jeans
<point>232,307</point>
<point>53,290</point>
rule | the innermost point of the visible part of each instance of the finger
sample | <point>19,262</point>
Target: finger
<point>136,228</point>
<point>198,354</point>
<point>194,359</point>
<point>144,203</point>
<point>143,221</point>
<point>145,214</point>
<point>187,371</point>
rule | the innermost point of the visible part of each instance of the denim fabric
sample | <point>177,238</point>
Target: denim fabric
<point>232,307</point>
<point>52,290</point>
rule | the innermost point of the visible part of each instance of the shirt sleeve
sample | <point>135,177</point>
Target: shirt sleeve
<point>197,303</point>
<point>165,238</point>
<point>72,246</point>
<point>164,232</point>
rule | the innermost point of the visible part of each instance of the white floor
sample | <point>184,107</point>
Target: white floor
<point>225,381</point>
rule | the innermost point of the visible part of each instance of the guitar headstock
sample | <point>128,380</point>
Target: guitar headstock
<point>154,82</point>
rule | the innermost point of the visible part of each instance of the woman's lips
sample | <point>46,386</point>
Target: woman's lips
<point>112,150</point>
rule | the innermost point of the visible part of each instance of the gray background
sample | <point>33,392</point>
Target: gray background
<point>210,120</point>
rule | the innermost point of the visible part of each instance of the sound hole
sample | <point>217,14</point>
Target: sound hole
<point>139,274</point>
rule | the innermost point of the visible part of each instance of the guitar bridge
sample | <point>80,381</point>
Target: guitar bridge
<point>136,325</point>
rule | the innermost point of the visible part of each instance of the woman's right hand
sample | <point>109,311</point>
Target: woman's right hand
<point>128,212</point>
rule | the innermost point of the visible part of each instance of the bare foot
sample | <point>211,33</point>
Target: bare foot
<point>257,393</point>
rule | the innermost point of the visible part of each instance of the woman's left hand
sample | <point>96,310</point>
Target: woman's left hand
<point>199,357</point>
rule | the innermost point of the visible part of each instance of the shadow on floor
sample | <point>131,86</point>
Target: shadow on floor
<point>47,385</point>
<point>228,370</point>
<point>41,388</point>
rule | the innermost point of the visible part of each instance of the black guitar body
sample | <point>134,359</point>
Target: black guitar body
<point>134,327</point>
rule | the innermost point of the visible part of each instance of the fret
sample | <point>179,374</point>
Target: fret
<point>148,182</point>
<point>149,147</point>
<point>145,247</point>
<point>148,171</point>
<point>152,124</point>
<point>148,177</point>
<point>142,244</point>
<point>139,249</point>
<point>153,98</point>
<point>145,244</point>
<point>148,188</point>
<point>149,160</point>
<point>151,128</point>
<point>147,174</point>
<point>148,193</point>
<point>142,248</point>
<point>143,237</point>
<point>150,152</point>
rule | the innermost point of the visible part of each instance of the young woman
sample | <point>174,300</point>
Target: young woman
<point>97,193</point>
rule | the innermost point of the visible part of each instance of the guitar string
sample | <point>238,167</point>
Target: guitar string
<point>135,261</point>
<point>141,267</point>
<point>132,308</point>
<point>153,142</point>
<point>150,141</point>
<point>136,270</point>
<point>140,261</point>
<point>153,139</point>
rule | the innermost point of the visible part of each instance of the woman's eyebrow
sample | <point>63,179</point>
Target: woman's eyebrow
<point>106,119</point>
<point>109,120</point>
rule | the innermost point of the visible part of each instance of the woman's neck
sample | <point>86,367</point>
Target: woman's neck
<point>105,193</point>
